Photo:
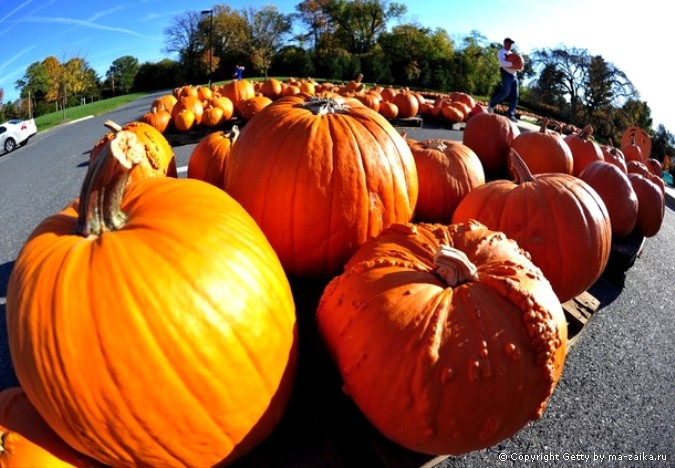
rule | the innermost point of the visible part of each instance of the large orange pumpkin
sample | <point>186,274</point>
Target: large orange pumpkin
<point>558,218</point>
<point>446,172</point>
<point>155,328</point>
<point>238,90</point>
<point>208,160</point>
<point>320,178</point>
<point>27,441</point>
<point>490,137</point>
<point>448,338</point>
<point>160,159</point>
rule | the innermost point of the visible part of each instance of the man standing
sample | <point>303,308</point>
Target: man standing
<point>509,74</point>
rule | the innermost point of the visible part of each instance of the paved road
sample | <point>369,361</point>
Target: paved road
<point>617,393</point>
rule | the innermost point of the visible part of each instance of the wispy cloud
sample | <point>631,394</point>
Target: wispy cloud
<point>77,22</point>
<point>26,3</point>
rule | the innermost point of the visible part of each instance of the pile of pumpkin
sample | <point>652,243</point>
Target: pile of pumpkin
<point>189,107</point>
<point>151,322</point>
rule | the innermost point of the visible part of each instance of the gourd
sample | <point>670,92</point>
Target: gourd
<point>448,338</point>
<point>151,323</point>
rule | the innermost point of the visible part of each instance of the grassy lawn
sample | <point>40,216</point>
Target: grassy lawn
<point>73,113</point>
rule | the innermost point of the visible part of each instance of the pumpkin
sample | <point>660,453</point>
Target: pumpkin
<point>208,159</point>
<point>584,149</point>
<point>225,104</point>
<point>160,119</point>
<point>191,103</point>
<point>238,90</point>
<point>558,218</point>
<point>651,204</point>
<point>320,178</point>
<point>271,88</point>
<point>204,93</point>
<point>27,441</point>
<point>544,151</point>
<point>631,151</point>
<point>159,305</point>
<point>490,137</point>
<point>448,338</point>
<point>639,137</point>
<point>616,191</point>
<point>614,156</point>
<point>407,104</point>
<point>213,116</point>
<point>637,167</point>
<point>371,100</point>
<point>388,109</point>
<point>248,108</point>
<point>463,97</point>
<point>184,120</point>
<point>160,159</point>
<point>516,61</point>
<point>165,102</point>
<point>446,172</point>
<point>453,111</point>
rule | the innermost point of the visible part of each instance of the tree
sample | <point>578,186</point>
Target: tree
<point>121,74</point>
<point>313,13</point>
<point>663,143</point>
<point>185,37</point>
<point>359,23</point>
<point>267,32</point>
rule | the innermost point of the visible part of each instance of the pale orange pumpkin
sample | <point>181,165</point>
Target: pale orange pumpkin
<point>159,305</point>
<point>320,178</point>
<point>449,339</point>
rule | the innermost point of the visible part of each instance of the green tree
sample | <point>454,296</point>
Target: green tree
<point>121,74</point>
<point>663,143</point>
<point>267,33</point>
<point>185,37</point>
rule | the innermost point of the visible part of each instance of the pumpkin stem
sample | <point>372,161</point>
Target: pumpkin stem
<point>323,106</point>
<point>543,128</point>
<point>104,184</point>
<point>114,126</point>
<point>436,145</point>
<point>454,266</point>
<point>518,168</point>
<point>587,132</point>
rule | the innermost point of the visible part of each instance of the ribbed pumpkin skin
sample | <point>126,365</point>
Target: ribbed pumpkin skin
<point>490,137</point>
<point>321,185</point>
<point>27,440</point>
<point>446,172</point>
<point>558,218</point>
<point>439,368</point>
<point>651,204</point>
<point>616,192</point>
<point>169,342</point>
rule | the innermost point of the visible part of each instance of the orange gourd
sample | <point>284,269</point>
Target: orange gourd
<point>446,172</point>
<point>160,159</point>
<point>490,137</point>
<point>156,326</point>
<point>27,441</point>
<point>448,338</point>
<point>544,151</point>
<point>320,178</point>
<point>208,160</point>
<point>558,218</point>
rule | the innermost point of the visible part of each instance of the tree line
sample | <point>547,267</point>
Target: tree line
<point>338,39</point>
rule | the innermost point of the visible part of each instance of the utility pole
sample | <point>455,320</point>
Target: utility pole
<point>210,13</point>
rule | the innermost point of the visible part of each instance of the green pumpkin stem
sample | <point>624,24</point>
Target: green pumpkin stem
<point>454,266</point>
<point>103,187</point>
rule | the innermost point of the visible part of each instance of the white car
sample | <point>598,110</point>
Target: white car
<point>14,133</point>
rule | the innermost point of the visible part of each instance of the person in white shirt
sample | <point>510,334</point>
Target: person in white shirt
<point>509,77</point>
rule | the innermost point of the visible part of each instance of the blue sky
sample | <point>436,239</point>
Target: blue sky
<point>632,36</point>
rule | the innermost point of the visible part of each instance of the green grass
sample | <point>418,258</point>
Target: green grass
<point>73,113</point>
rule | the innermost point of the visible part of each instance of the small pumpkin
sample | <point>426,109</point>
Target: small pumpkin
<point>164,102</point>
<point>184,120</point>
<point>248,108</point>
<point>160,119</point>
<point>388,109</point>
<point>584,149</point>
<point>639,137</point>
<point>208,160</point>
<point>613,155</point>
<point>160,159</point>
<point>111,356</point>
<point>448,338</point>
<point>558,218</point>
<point>212,116</point>
<point>320,178</point>
<point>407,103</point>
<point>27,441</point>
<point>446,172</point>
